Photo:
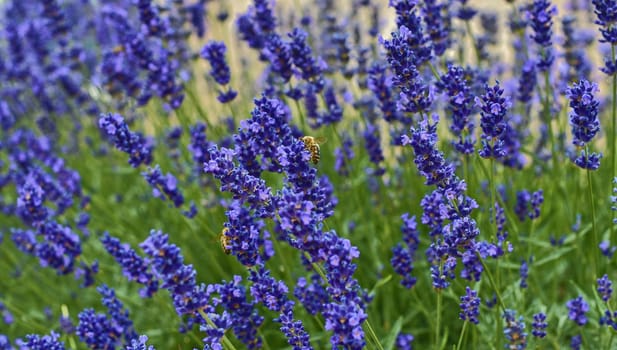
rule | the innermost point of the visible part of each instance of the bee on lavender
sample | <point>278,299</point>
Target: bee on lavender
<point>225,241</point>
<point>312,145</point>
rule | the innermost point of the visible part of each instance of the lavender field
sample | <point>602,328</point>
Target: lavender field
<point>402,174</point>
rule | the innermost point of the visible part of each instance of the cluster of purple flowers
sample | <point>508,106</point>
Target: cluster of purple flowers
<point>584,122</point>
<point>265,142</point>
<point>528,204</point>
<point>403,256</point>
<point>214,52</point>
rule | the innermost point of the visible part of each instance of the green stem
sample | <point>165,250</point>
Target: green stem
<point>593,221</point>
<point>197,106</point>
<point>492,282</point>
<point>227,344</point>
<point>372,335</point>
<point>461,336</point>
<point>613,147</point>
<point>434,71</point>
<point>439,297</point>
<point>548,119</point>
<point>367,323</point>
<point>493,185</point>
<point>473,43</point>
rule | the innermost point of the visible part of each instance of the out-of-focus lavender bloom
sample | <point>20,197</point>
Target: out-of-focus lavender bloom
<point>381,86</point>
<point>30,202</point>
<point>139,344</point>
<point>411,31</point>
<point>437,20</point>
<point>606,249</point>
<point>540,15</point>
<point>578,65</point>
<point>313,296</point>
<point>214,52</point>
<point>97,331</point>
<point>343,155</point>
<point>539,325</point>
<point>134,144</point>
<point>514,330</point>
<point>372,141</point>
<point>455,84</point>
<point>527,82</point>
<point>528,204</point>
<point>465,12</point>
<point>278,52</point>
<point>403,341</point>
<point>576,342</point>
<point>164,185</point>
<point>37,342</point>
<point>606,12</point>
<point>119,316</point>
<point>577,308</point>
<point>7,316</point>
<point>167,264</point>
<point>309,68</point>
<point>605,288</point>
<point>134,267</point>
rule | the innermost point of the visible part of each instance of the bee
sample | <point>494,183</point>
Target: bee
<point>312,145</point>
<point>225,241</point>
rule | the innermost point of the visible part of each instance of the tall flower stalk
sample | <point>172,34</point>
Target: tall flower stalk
<point>606,12</point>
<point>585,125</point>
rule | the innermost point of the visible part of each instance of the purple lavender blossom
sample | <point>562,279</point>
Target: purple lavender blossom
<point>119,316</point>
<point>437,20</point>
<point>134,144</point>
<point>278,52</point>
<point>403,341</point>
<point>97,331</point>
<point>514,330</point>
<point>139,344</point>
<point>381,86</point>
<point>294,331</point>
<point>577,308</point>
<point>134,267</point>
<point>605,288</point>
<point>164,186</point>
<point>313,296</point>
<point>584,121</point>
<point>430,162</point>
<point>310,69</point>
<point>606,249</point>
<point>470,304</point>
<point>242,312</point>
<point>493,121</point>
<point>410,27</point>
<point>524,273</point>
<point>214,52</point>
<point>540,14</point>
<point>167,264</point>
<point>539,325</point>
<point>606,12</point>
<point>372,141</point>
<point>576,342</point>
<point>30,202</point>
<point>459,104</point>
<point>46,342</point>
<point>343,155</point>
<point>528,204</point>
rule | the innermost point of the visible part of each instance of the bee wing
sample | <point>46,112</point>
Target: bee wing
<point>320,140</point>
